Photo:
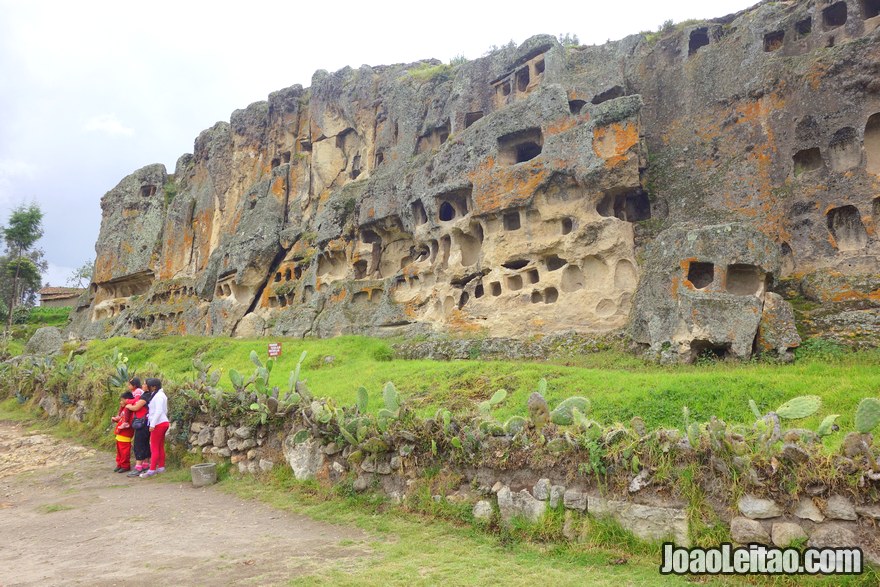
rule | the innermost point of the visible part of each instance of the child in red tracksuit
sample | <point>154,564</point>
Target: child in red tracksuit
<point>124,433</point>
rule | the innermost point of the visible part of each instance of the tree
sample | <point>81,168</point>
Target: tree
<point>82,276</point>
<point>24,230</point>
<point>569,40</point>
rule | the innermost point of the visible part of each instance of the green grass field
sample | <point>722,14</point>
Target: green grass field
<point>38,317</point>
<point>619,386</point>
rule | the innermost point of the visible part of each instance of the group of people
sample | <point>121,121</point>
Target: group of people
<point>141,423</point>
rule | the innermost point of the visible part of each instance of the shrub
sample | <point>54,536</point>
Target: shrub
<point>425,72</point>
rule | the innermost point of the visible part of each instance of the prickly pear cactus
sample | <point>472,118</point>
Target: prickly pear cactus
<point>827,425</point>
<point>514,425</point>
<point>363,400</point>
<point>539,412</point>
<point>486,406</point>
<point>562,415</point>
<point>868,415</point>
<point>693,433</point>
<point>799,407</point>
<point>391,398</point>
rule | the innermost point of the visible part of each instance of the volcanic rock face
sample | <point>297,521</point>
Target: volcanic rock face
<point>516,194</point>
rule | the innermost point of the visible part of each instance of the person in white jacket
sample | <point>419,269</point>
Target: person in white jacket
<point>158,419</point>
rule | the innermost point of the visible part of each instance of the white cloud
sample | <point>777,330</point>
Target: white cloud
<point>57,275</point>
<point>107,124</point>
<point>11,172</point>
<point>12,168</point>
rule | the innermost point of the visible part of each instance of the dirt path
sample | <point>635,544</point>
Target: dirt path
<point>67,519</point>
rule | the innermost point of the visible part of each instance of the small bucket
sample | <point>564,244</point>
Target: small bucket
<point>203,474</point>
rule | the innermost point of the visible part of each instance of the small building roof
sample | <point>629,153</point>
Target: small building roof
<point>60,292</point>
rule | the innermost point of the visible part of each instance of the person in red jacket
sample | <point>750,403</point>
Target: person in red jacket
<point>124,433</point>
<point>141,443</point>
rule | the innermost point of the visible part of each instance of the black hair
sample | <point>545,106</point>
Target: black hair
<point>136,381</point>
<point>127,395</point>
<point>153,382</point>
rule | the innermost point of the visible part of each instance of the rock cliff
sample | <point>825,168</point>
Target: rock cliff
<point>667,183</point>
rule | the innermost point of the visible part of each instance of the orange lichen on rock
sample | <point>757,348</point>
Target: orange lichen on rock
<point>499,187</point>
<point>279,188</point>
<point>614,143</point>
<point>459,321</point>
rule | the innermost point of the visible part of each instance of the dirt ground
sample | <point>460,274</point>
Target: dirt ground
<point>67,519</point>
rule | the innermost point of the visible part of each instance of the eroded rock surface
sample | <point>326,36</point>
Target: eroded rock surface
<point>528,192</point>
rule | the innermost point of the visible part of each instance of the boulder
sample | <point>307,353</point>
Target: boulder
<point>542,489</point>
<point>785,534</point>
<point>840,508</point>
<point>702,291</point>
<point>305,458</point>
<point>792,453</point>
<point>758,508</point>
<point>747,531</point>
<point>244,432</point>
<point>647,522</point>
<point>807,510</point>
<point>520,504</point>
<point>777,332</point>
<point>870,512</point>
<point>575,500</point>
<point>206,436</point>
<point>557,494</point>
<point>49,405</point>
<point>483,510</point>
<point>640,481</point>
<point>219,438</point>
<point>46,342</point>
<point>831,535</point>
<point>79,412</point>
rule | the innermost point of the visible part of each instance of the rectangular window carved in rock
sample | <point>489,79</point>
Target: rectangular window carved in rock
<point>834,16</point>
<point>419,214</point>
<point>845,225</point>
<point>520,146</point>
<point>872,144</point>
<point>472,117</point>
<point>844,150</point>
<point>522,79</point>
<point>807,160</point>
<point>701,275</point>
<point>699,38</point>
<point>773,41</point>
<point>610,94</point>
<point>454,204</point>
<point>744,280</point>
<point>511,220</point>
<point>539,67</point>
<point>804,27</point>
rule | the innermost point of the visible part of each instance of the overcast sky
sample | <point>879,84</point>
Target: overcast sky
<point>91,91</point>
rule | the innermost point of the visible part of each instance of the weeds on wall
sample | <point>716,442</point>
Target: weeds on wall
<point>770,456</point>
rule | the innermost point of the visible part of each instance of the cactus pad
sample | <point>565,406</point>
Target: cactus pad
<point>562,415</point>
<point>799,407</point>
<point>868,415</point>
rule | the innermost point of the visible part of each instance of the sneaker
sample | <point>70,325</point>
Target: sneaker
<point>121,470</point>
<point>117,469</point>
<point>134,473</point>
<point>146,474</point>
<point>160,470</point>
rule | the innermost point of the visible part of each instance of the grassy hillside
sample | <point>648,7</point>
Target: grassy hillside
<point>619,386</point>
<point>37,318</point>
